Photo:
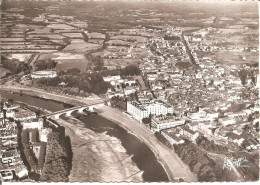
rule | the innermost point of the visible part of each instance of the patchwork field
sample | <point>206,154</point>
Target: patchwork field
<point>79,45</point>
<point>119,42</point>
<point>95,35</point>
<point>120,62</point>
<point>21,57</point>
<point>67,60</point>
<point>61,26</point>
<point>73,35</point>
<point>129,38</point>
<point>70,64</point>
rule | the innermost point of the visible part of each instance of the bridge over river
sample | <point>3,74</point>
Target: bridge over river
<point>69,111</point>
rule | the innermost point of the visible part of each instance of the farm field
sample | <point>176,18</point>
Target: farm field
<point>233,57</point>
<point>4,71</point>
<point>65,64</point>
<point>120,62</point>
<point>119,42</point>
<point>79,45</point>
<point>67,60</point>
<point>73,35</point>
<point>21,57</point>
<point>61,26</point>
<point>95,35</point>
<point>129,38</point>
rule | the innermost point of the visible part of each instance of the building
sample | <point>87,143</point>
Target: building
<point>8,134</point>
<point>9,156</point>
<point>203,115</point>
<point>232,137</point>
<point>129,90</point>
<point>33,124</point>
<point>44,74</point>
<point>188,133</point>
<point>114,94</point>
<point>113,80</point>
<point>160,124</point>
<point>227,121</point>
<point>10,113</point>
<point>1,114</point>
<point>44,134</point>
<point>251,144</point>
<point>145,108</point>
<point>6,174</point>
<point>172,138</point>
<point>23,115</point>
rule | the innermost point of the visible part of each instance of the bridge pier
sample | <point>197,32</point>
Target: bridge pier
<point>69,113</point>
<point>57,116</point>
<point>81,110</point>
<point>91,108</point>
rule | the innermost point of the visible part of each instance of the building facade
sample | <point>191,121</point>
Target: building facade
<point>145,108</point>
<point>44,74</point>
<point>165,124</point>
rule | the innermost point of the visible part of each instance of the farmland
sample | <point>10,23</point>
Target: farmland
<point>234,57</point>
<point>80,46</point>
<point>4,71</point>
<point>120,35</point>
<point>66,60</point>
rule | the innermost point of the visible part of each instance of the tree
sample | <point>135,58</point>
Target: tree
<point>73,71</point>
<point>146,120</point>
<point>243,75</point>
<point>56,167</point>
<point>123,85</point>
<point>50,64</point>
<point>14,65</point>
<point>133,96</point>
<point>81,93</point>
<point>130,70</point>
<point>236,107</point>
<point>43,64</point>
<point>257,126</point>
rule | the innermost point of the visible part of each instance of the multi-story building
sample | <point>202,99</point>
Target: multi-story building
<point>188,133</point>
<point>23,115</point>
<point>145,108</point>
<point>32,124</point>
<point>172,138</point>
<point>160,124</point>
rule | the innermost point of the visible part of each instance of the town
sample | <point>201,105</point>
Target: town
<point>26,142</point>
<point>194,86</point>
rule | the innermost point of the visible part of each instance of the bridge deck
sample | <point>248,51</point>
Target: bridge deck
<point>70,109</point>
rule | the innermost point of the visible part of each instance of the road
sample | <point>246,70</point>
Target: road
<point>192,60</point>
<point>171,162</point>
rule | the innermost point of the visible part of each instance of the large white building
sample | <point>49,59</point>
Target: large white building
<point>113,80</point>
<point>33,124</point>
<point>44,74</point>
<point>166,123</point>
<point>143,109</point>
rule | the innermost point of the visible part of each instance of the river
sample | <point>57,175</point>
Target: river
<point>142,154</point>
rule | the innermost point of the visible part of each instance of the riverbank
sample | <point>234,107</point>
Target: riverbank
<point>75,101</point>
<point>171,162</point>
<point>98,157</point>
